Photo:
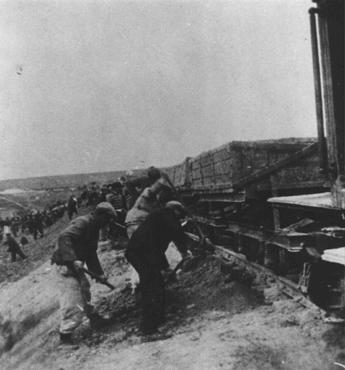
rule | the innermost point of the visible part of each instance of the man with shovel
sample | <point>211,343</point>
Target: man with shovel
<point>151,198</point>
<point>76,246</point>
<point>146,253</point>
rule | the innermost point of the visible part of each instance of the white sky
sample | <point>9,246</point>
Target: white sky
<point>88,86</point>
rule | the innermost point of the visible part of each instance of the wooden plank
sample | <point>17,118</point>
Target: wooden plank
<point>258,175</point>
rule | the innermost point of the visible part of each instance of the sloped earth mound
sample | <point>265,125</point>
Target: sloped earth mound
<point>37,251</point>
<point>212,322</point>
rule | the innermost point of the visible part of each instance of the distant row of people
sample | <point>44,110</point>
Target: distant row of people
<point>33,221</point>
<point>13,229</point>
<point>122,194</point>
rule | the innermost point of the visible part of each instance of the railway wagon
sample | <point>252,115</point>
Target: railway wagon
<point>282,203</point>
<point>231,191</point>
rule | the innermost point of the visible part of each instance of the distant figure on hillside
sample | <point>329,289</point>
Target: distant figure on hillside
<point>13,247</point>
<point>37,224</point>
<point>15,225</point>
<point>72,206</point>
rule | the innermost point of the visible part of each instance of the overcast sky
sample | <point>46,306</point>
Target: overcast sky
<point>89,86</point>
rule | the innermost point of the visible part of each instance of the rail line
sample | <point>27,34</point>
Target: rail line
<point>287,287</point>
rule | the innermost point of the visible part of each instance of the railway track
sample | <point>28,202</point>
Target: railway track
<point>286,286</point>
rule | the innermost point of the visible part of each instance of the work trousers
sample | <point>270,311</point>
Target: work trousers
<point>75,297</point>
<point>134,275</point>
<point>14,253</point>
<point>152,289</point>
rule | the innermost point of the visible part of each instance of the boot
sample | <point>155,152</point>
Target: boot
<point>97,321</point>
<point>153,334</point>
<point>66,338</point>
<point>148,328</point>
<point>66,342</point>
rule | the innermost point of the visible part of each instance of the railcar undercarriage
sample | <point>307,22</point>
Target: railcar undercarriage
<point>293,251</point>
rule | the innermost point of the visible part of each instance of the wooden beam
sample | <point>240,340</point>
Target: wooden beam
<point>267,171</point>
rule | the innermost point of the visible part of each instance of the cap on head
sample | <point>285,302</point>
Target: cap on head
<point>153,173</point>
<point>176,206</point>
<point>105,208</point>
<point>165,195</point>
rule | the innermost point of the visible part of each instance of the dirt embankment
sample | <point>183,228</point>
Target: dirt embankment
<point>27,287</point>
<point>38,251</point>
<point>213,322</point>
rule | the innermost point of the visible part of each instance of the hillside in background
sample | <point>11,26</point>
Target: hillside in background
<point>64,181</point>
<point>61,181</point>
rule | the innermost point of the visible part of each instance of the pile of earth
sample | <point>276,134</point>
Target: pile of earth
<point>212,322</point>
<point>186,298</point>
<point>37,252</point>
<point>201,286</point>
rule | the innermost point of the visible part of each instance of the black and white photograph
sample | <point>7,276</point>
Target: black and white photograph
<point>172,185</point>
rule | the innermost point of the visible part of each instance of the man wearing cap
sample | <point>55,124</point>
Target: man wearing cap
<point>147,201</point>
<point>146,253</point>
<point>131,186</point>
<point>76,246</point>
<point>72,206</point>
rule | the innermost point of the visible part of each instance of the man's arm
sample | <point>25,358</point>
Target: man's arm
<point>179,237</point>
<point>93,264</point>
<point>162,182</point>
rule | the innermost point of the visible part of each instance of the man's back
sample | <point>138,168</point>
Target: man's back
<point>82,230</point>
<point>82,236</point>
<point>156,232</point>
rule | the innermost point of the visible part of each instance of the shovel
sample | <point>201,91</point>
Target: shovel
<point>172,274</point>
<point>98,278</point>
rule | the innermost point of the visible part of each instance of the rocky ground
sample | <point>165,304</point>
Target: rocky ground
<point>213,322</point>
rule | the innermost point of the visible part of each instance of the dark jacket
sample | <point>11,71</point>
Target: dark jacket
<point>79,241</point>
<point>72,204</point>
<point>12,244</point>
<point>152,238</point>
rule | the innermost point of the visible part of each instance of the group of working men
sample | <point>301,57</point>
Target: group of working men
<point>152,223</point>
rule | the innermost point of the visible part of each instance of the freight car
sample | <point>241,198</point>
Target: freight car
<point>281,203</point>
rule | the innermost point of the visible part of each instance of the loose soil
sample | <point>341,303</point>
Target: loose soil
<point>37,252</point>
<point>213,322</point>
